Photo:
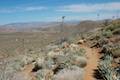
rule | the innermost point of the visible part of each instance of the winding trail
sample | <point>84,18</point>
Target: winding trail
<point>93,56</point>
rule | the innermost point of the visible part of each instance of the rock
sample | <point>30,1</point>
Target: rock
<point>81,41</point>
<point>117,60</point>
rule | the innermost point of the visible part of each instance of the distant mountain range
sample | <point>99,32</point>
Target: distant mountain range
<point>28,26</point>
<point>71,26</point>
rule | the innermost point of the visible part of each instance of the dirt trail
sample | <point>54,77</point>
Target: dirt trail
<point>93,57</point>
<point>28,72</point>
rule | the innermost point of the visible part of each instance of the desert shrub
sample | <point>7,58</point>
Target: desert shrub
<point>17,65</point>
<point>7,70</point>
<point>63,58</point>
<point>109,27</point>
<point>26,59</point>
<point>116,31</point>
<point>76,50</point>
<point>75,57</point>
<point>102,41</point>
<point>44,74</point>
<point>51,47</point>
<point>105,68</point>
<point>81,52</point>
<point>60,59</point>
<point>95,36</point>
<point>106,49</point>
<point>40,61</point>
<point>74,73</point>
<point>80,61</point>
<point>107,33</point>
<point>40,75</point>
<point>61,40</point>
<point>48,64</point>
<point>52,54</point>
<point>116,52</point>
<point>113,49</point>
<point>112,27</point>
<point>20,76</point>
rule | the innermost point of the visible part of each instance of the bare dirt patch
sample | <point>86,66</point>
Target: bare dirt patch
<point>93,59</point>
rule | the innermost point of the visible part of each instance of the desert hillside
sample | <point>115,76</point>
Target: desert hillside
<point>89,50</point>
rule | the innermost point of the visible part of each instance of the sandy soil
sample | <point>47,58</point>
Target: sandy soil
<point>93,57</point>
<point>28,72</point>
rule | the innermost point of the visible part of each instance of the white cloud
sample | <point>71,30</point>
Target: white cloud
<point>34,8</point>
<point>22,9</point>
<point>90,7</point>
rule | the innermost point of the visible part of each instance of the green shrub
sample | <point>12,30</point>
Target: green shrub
<point>112,27</point>
<point>116,52</point>
<point>107,33</point>
<point>116,31</point>
<point>17,65</point>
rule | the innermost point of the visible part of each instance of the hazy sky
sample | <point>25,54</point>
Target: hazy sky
<point>52,10</point>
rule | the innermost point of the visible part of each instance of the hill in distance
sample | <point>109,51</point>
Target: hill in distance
<point>50,26</point>
<point>28,26</point>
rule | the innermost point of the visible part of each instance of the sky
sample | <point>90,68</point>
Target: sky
<point>13,11</point>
